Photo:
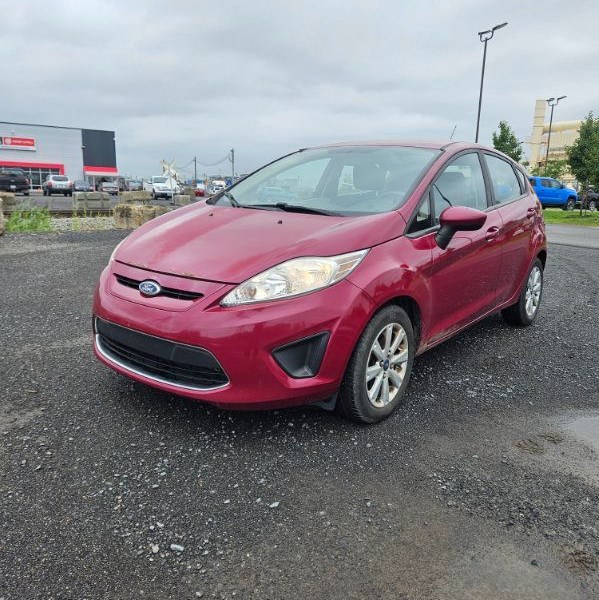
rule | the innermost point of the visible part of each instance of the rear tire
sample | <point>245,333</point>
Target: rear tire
<point>593,205</point>
<point>378,372</point>
<point>524,312</point>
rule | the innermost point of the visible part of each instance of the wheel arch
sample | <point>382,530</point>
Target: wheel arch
<point>542,256</point>
<point>413,311</point>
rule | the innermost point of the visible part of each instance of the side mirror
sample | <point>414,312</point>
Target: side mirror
<point>458,218</point>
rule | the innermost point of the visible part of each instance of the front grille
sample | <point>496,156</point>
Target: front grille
<point>159,359</point>
<point>166,291</point>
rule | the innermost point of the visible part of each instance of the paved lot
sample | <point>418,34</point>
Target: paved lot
<point>485,485</point>
<point>571,235</point>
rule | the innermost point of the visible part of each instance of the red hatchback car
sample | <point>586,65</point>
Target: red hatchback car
<point>374,253</point>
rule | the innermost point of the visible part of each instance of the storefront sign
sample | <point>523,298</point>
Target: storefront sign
<point>17,143</point>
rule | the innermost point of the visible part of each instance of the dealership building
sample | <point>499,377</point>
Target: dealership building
<point>41,150</point>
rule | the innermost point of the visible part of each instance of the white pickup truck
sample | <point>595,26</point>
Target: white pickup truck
<point>161,186</point>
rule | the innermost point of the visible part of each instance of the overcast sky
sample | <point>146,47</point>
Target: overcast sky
<point>196,77</point>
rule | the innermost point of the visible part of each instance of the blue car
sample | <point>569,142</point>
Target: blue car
<point>553,193</point>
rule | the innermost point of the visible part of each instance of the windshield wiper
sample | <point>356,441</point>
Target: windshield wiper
<point>229,196</point>
<point>442,196</point>
<point>293,208</point>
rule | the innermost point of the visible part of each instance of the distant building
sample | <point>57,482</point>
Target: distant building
<point>563,135</point>
<point>42,150</point>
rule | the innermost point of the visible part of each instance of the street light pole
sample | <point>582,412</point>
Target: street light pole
<point>484,36</point>
<point>553,102</point>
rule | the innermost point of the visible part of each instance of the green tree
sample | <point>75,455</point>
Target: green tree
<point>505,141</point>
<point>553,168</point>
<point>583,155</point>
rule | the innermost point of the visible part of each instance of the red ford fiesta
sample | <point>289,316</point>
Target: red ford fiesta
<point>322,275</point>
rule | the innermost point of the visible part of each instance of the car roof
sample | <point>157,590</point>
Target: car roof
<point>431,144</point>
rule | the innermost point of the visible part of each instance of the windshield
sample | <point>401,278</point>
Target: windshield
<point>59,178</point>
<point>339,180</point>
<point>159,179</point>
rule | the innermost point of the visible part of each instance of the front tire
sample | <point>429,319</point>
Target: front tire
<point>524,312</point>
<point>378,372</point>
<point>570,204</point>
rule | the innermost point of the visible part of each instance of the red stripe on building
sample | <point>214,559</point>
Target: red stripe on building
<point>34,165</point>
<point>100,169</point>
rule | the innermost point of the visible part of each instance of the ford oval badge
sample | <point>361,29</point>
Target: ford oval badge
<point>149,288</point>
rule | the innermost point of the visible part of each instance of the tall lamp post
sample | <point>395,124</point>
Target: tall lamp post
<point>484,36</point>
<point>553,102</point>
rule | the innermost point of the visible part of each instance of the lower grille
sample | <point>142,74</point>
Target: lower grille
<point>159,359</point>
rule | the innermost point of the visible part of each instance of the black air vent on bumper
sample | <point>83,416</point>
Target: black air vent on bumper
<point>159,359</point>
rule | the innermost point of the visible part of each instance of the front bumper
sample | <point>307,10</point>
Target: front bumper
<point>243,340</point>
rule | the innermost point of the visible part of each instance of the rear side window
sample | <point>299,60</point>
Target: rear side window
<point>533,182</point>
<point>503,179</point>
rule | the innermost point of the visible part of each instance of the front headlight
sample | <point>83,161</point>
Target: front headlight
<point>294,278</point>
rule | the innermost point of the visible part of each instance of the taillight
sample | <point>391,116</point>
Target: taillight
<point>26,181</point>
<point>49,184</point>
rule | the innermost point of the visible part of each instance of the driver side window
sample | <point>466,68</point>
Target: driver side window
<point>460,184</point>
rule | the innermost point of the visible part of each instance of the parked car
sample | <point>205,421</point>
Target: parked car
<point>552,193</point>
<point>57,184</point>
<point>162,187</point>
<point>200,190</point>
<point>590,199</point>
<point>133,185</point>
<point>217,186</point>
<point>81,186</point>
<point>14,180</point>
<point>327,297</point>
<point>111,187</point>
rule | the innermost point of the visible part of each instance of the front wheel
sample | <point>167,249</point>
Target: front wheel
<point>378,372</point>
<point>524,312</point>
<point>570,204</point>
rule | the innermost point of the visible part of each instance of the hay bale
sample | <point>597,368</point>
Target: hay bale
<point>188,191</point>
<point>131,216</point>
<point>136,197</point>
<point>91,200</point>
<point>8,199</point>
<point>182,199</point>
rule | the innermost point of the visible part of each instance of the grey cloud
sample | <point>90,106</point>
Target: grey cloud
<point>186,77</point>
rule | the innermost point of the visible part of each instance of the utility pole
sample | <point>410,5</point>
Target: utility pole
<point>232,165</point>
<point>195,171</point>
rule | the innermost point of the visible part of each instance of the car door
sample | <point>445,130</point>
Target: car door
<point>549,197</point>
<point>518,210</point>
<point>463,277</point>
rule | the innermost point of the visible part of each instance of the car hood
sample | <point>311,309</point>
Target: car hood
<point>230,245</point>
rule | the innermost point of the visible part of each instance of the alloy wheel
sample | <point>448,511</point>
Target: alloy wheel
<point>387,365</point>
<point>534,287</point>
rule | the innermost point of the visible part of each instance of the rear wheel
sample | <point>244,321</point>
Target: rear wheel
<point>524,312</point>
<point>593,205</point>
<point>376,378</point>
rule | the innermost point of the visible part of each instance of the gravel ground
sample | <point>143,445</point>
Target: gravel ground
<point>478,488</point>
<point>65,224</point>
